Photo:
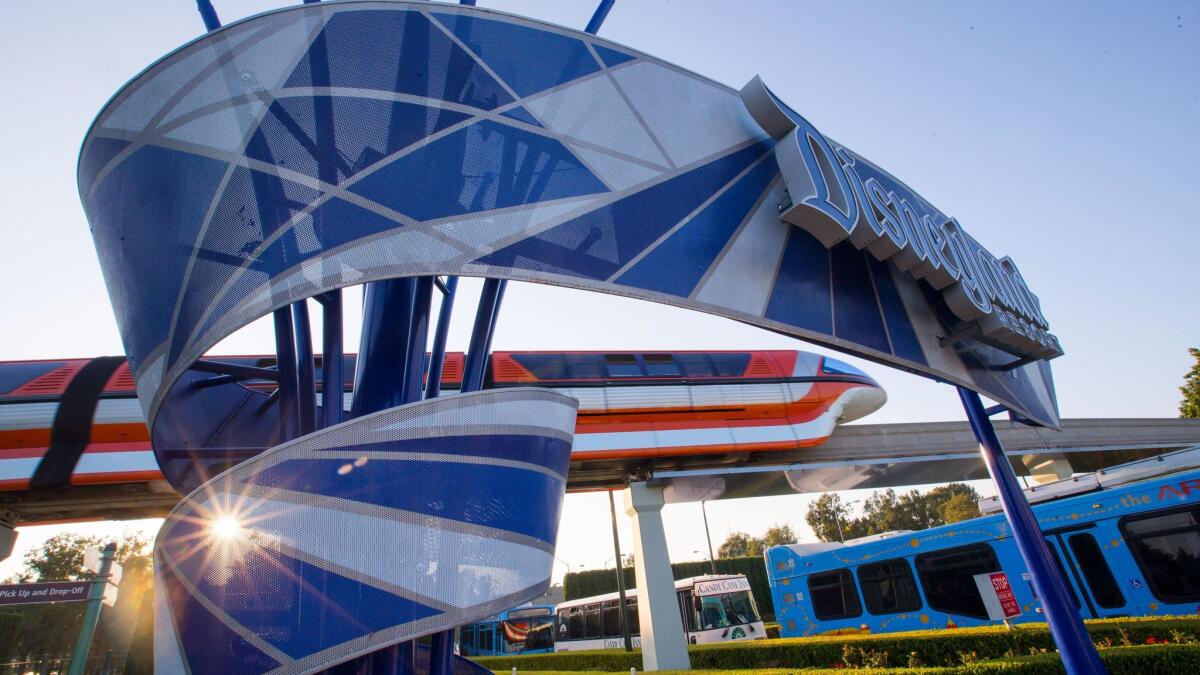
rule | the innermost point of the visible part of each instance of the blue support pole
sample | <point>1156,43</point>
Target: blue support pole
<point>481,334</point>
<point>306,377</point>
<point>387,306</point>
<point>599,16</point>
<point>418,334</point>
<point>332,389</point>
<point>437,359</point>
<point>1075,646</point>
<point>285,361</point>
<point>208,14</point>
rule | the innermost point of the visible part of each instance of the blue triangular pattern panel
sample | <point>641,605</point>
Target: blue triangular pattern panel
<point>335,137</point>
<point>521,114</point>
<point>253,206</point>
<point>904,338</point>
<point>612,57</point>
<point>856,313</point>
<point>678,264</point>
<point>801,295</point>
<point>528,60</point>
<point>397,46</point>
<point>600,242</point>
<point>149,183</point>
<point>229,652</point>
<point>99,152</point>
<point>504,167</point>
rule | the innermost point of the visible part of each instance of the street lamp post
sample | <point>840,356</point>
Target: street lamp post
<point>712,563</point>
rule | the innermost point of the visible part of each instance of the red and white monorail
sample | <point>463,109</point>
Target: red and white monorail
<point>58,429</point>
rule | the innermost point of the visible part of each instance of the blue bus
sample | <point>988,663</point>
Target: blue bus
<point>1126,539</point>
<point>523,630</point>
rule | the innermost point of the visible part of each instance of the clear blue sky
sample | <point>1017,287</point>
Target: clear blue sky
<point>1066,135</point>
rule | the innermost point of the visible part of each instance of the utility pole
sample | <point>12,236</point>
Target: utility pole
<point>712,563</point>
<point>612,510</point>
<point>91,615</point>
<point>838,522</point>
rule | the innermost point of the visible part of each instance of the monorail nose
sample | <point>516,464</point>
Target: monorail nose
<point>862,401</point>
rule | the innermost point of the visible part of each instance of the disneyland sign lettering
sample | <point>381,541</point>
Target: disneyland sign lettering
<point>837,195</point>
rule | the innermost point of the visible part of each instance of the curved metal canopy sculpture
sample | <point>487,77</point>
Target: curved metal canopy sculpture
<point>304,150</point>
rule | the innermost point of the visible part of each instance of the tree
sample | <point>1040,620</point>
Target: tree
<point>1190,405</point>
<point>61,557</point>
<point>826,516</point>
<point>959,508</point>
<point>739,545</point>
<point>778,535</point>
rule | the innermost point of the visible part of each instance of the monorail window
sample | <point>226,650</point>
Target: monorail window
<point>1167,549</point>
<point>593,627</point>
<point>833,595</point>
<point>622,365</point>
<point>1096,571</point>
<point>889,587</point>
<point>948,578</point>
<point>661,365</point>
<point>730,365</point>
<point>585,366</point>
<point>544,366</point>
<point>695,365</point>
<point>835,367</point>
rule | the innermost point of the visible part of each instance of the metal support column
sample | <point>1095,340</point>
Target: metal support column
<point>1075,646</point>
<point>664,642</point>
<point>387,307</point>
<point>208,14</point>
<point>481,334</point>
<point>621,609</point>
<point>332,376</point>
<point>285,363</point>
<point>599,16</point>
<point>418,335</point>
<point>437,357</point>
<point>91,615</point>
<point>306,377</point>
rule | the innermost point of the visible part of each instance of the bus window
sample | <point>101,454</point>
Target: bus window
<point>660,365</point>
<point>1062,572</point>
<point>592,625</point>
<point>485,637</point>
<point>888,587</point>
<point>467,639</point>
<point>631,615</point>
<point>612,619</point>
<point>833,595</point>
<point>622,365</point>
<point>1167,549</point>
<point>948,578</point>
<point>1095,570</point>
<point>575,623</point>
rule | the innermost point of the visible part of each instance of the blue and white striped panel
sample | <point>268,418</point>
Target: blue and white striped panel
<point>376,531</point>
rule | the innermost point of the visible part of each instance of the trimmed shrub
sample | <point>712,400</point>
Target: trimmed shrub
<point>963,647</point>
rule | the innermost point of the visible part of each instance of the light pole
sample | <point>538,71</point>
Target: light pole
<point>711,562</point>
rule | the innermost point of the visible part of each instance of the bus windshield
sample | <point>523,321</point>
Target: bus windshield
<point>528,634</point>
<point>726,609</point>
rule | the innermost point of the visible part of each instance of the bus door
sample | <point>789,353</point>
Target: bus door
<point>1057,545</point>
<point>1094,574</point>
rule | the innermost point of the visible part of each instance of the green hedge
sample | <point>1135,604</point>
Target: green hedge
<point>597,582</point>
<point>1119,660</point>
<point>934,648</point>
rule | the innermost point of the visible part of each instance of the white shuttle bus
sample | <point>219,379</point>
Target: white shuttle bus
<point>717,608</point>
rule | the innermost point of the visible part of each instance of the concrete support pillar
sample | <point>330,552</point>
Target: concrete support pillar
<point>664,644</point>
<point>8,539</point>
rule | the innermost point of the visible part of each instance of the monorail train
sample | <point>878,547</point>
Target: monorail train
<point>522,630</point>
<point>714,608</point>
<point>1129,545</point>
<point>77,421</point>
